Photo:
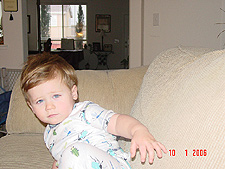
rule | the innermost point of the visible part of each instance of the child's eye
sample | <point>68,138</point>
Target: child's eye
<point>56,96</point>
<point>39,101</point>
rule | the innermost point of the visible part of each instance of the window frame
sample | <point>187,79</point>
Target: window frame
<point>1,28</point>
<point>84,39</point>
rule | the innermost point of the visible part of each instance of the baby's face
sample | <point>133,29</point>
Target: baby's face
<point>52,101</point>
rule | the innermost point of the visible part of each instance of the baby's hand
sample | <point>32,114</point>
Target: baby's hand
<point>145,142</point>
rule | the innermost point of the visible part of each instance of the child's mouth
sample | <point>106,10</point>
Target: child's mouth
<point>52,115</point>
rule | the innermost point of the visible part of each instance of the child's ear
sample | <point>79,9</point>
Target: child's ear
<point>28,103</point>
<point>74,92</point>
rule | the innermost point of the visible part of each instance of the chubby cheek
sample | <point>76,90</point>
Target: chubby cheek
<point>66,104</point>
<point>38,112</point>
<point>66,108</point>
<point>35,110</point>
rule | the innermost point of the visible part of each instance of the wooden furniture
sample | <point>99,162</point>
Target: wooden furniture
<point>73,57</point>
<point>102,57</point>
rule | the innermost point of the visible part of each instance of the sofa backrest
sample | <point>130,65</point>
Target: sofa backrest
<point>182,102</point>
<point>111,89</point>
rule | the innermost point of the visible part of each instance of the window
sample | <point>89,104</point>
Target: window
<point>63,21</point>
<point>1,28</point>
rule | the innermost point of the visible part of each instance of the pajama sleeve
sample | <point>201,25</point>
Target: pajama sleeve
<point>97,116</point>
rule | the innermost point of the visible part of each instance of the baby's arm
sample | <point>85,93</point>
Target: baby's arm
<point>54,165</point>
<point>128,127</point>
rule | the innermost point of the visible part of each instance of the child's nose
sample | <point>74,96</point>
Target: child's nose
<point>49,105</point>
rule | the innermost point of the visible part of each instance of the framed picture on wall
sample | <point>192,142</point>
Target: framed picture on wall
<point>107,47</point>
<point>103,22</point>
<point>10,5</point>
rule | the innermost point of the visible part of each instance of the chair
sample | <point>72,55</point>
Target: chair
<point>47,45</point>
<point>8,79</point>
<point>67,44</point>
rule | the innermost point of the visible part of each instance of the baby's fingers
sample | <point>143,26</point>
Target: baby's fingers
<point>163,148</point>
<point>158,150</point>
<point>158,147</point>
<point>151,155</point>
<point>143,153</point>
<point>133,149</point>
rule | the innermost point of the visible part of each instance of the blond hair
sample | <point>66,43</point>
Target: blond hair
<point>43,67</point>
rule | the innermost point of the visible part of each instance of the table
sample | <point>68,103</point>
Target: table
<point>73,57</point>
<point>102,57</point>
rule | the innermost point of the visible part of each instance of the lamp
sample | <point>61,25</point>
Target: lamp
<point>102,34</point>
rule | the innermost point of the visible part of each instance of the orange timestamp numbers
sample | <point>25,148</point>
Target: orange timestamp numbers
<point>195,152</point>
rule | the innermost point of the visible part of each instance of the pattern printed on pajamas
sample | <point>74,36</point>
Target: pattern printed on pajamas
<point>82,140</point>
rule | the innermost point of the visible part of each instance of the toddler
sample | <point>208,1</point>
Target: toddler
<point>80,134</point>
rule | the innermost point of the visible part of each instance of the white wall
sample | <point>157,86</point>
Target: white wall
<point>136,33</point>
<point>181,22</point>
<point>14,50</point>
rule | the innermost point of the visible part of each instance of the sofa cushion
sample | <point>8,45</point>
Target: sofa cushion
<point>126,85</point>
<point>111,89</point>
<point>183,105</point>
<point>24,151</point>
<point>20,118</point>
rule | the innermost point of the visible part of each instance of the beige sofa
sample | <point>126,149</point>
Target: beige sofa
<point>181,100</point>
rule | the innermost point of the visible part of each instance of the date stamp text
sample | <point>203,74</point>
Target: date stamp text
<point>194,152</point>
